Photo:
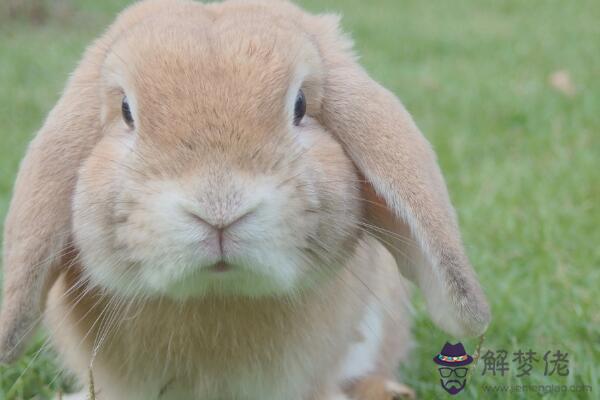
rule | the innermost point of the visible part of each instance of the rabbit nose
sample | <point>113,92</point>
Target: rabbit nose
<point>222,224</point>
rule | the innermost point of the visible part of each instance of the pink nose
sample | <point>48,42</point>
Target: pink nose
<point>222,225</point>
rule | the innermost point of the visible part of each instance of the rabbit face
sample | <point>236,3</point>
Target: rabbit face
<point>211,176</point>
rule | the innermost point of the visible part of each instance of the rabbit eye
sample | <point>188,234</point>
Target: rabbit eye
<point>299,107</point>
<point>126,111</point>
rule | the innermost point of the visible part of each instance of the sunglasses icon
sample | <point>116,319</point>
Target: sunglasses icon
<point>447,372</point>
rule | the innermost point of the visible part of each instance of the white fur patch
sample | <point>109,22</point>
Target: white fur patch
<point>362,356</point>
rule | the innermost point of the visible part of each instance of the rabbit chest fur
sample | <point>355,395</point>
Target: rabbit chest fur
<point>227,348</point>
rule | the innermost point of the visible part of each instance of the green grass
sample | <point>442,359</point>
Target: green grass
<point>519,156</point>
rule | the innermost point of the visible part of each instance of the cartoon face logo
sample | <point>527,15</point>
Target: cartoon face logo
<point>453,363</point>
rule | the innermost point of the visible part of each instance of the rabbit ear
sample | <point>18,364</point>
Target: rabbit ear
<point>37,228</point>
<point>38,225</point>
<point>405,185</point>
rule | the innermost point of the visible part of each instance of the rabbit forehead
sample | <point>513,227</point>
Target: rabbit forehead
<point>178,65</point>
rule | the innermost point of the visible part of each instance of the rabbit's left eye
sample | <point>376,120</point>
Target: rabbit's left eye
<point>126,111</point>
<point>299,107</point>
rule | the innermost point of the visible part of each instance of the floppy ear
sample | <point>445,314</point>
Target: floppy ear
<point>405,185</point>
<point>38,225</point>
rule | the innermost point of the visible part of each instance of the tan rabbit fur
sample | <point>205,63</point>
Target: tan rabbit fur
<point>188,231</point>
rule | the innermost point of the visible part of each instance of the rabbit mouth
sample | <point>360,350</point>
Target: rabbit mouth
<point>220,267</point>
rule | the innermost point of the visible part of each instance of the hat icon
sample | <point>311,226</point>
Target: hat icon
<point>453,355</point>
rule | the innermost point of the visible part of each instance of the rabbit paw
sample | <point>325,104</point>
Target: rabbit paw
<point>399,391</point>
<point>377,388</point>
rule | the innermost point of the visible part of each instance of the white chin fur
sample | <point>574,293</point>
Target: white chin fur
<point>261,280</point>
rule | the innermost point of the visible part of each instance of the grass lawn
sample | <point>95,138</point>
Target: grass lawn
<point>508,93</point>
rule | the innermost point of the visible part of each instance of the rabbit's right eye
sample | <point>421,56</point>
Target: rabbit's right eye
<point>126,111</point>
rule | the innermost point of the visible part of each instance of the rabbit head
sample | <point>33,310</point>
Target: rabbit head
<point>212,174</point>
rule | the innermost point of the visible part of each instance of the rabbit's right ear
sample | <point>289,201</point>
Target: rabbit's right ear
<point>37,231</point>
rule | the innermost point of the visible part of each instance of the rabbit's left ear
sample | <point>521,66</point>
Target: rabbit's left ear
<point>404,183</point>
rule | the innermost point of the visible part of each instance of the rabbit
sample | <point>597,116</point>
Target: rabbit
<point>223,204</point>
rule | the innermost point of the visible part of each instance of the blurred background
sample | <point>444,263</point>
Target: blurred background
<point>508,92</point>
